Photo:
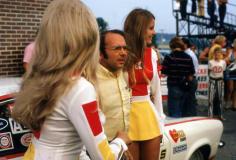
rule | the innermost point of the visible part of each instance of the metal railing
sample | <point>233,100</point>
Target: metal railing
<point>197,27</point>
<point>229,21</point>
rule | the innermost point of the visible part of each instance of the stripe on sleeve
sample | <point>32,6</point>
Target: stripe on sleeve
<point>105,150</point>
<point>91,112</point>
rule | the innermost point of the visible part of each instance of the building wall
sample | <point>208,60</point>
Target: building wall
<point>19,22</point>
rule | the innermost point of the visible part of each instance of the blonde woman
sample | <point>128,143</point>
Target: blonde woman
<point>57,99</point>
<point>146,114</point>
<point>208,53</point>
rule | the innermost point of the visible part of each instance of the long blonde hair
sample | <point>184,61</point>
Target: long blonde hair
<point>135,27</point>
<point>67,44</point>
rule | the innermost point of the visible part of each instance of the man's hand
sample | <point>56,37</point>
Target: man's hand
<point>124,137</point>
<point>127,156</point>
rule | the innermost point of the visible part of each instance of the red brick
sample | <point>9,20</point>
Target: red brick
<point>20,19</point>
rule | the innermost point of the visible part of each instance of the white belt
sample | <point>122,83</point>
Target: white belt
<point>140,98</point>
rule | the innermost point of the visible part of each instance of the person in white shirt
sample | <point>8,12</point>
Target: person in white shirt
<point>190,103</point>
<point>216,68</point>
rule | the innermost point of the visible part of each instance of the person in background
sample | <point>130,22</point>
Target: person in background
<point>208,53</point>
<point>146,113</point>
<point>28,53</point>
<point>231,83</point>
<point>194,7</point>
<point>159,56</point>
<point>193,48</point>
<point>216,68</point>
<point>183,8</point>
<point>201,8</point>
<point>222,11</point>
<point>115,102</point>
<point>203,55</point>
<point>58,99</point>
<point>176,5</point>
<point>179,68</point>
<point>211,7</point>
<point>189,107</point>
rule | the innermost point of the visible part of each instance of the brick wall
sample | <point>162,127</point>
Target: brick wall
<point>19,21</point>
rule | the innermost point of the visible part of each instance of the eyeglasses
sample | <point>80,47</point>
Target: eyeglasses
<point>118,48</point>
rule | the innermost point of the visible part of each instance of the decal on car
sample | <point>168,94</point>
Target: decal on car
<point>26,139</point>
<point>6,141</point>
<point>179,148</point>
<point>17,128</point>
<point>163,154</point>
<point>177,135</point>
<point>3,124</point>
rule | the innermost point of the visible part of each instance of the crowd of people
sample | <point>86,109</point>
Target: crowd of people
<point>89,95</point>
<point>218,56</point>
<point>181,68</point>
<point>211,9</point>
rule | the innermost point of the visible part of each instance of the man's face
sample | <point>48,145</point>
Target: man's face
<point>116,50</point>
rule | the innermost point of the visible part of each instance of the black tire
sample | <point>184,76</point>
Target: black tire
<point>197,155</point>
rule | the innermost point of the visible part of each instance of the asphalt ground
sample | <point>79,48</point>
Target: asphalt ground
<point>228,152</point>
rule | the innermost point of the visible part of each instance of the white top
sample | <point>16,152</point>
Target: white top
<point>74,123</point>
<point>194,59</point>
<point>216,68</point>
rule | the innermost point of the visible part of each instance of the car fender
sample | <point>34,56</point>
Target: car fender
<point>203,142</point>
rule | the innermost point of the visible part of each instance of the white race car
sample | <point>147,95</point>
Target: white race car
<point>194,138</point>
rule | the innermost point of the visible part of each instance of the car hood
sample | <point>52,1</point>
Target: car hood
<point>9,85</point>
<point>172,121</point>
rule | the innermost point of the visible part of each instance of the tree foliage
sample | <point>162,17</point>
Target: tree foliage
<point>102,24</point>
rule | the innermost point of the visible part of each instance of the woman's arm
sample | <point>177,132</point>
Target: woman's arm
<point>83,113</point>
<point>204,55</point>
<point>156,91</point>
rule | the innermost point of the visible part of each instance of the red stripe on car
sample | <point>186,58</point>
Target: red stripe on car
<point>190,120</point>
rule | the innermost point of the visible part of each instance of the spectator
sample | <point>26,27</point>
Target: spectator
<point>216,84</point>
<point>211,7</point>
<point>231,84</point>
<point>115,102</point>
<point>179,68</point>
<point>207,54</point>
<point>176,5</point>
<point>146,114</point>
<point>194,7</point>
<point>189,107</point>
<point>183,8</point>
<point>57,99</point>
<point>159,56</point>
<point>201,8</point>
<point>222,11</point>
<point>28,53</point>
<point>203,56</point>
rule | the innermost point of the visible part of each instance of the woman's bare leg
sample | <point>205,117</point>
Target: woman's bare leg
<point>150,149</point>
<point>134,149</point>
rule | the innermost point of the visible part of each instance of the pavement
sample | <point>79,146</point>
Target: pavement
<point>228,152</point>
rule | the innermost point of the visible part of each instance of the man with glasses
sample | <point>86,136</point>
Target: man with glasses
<point>114,95</point>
